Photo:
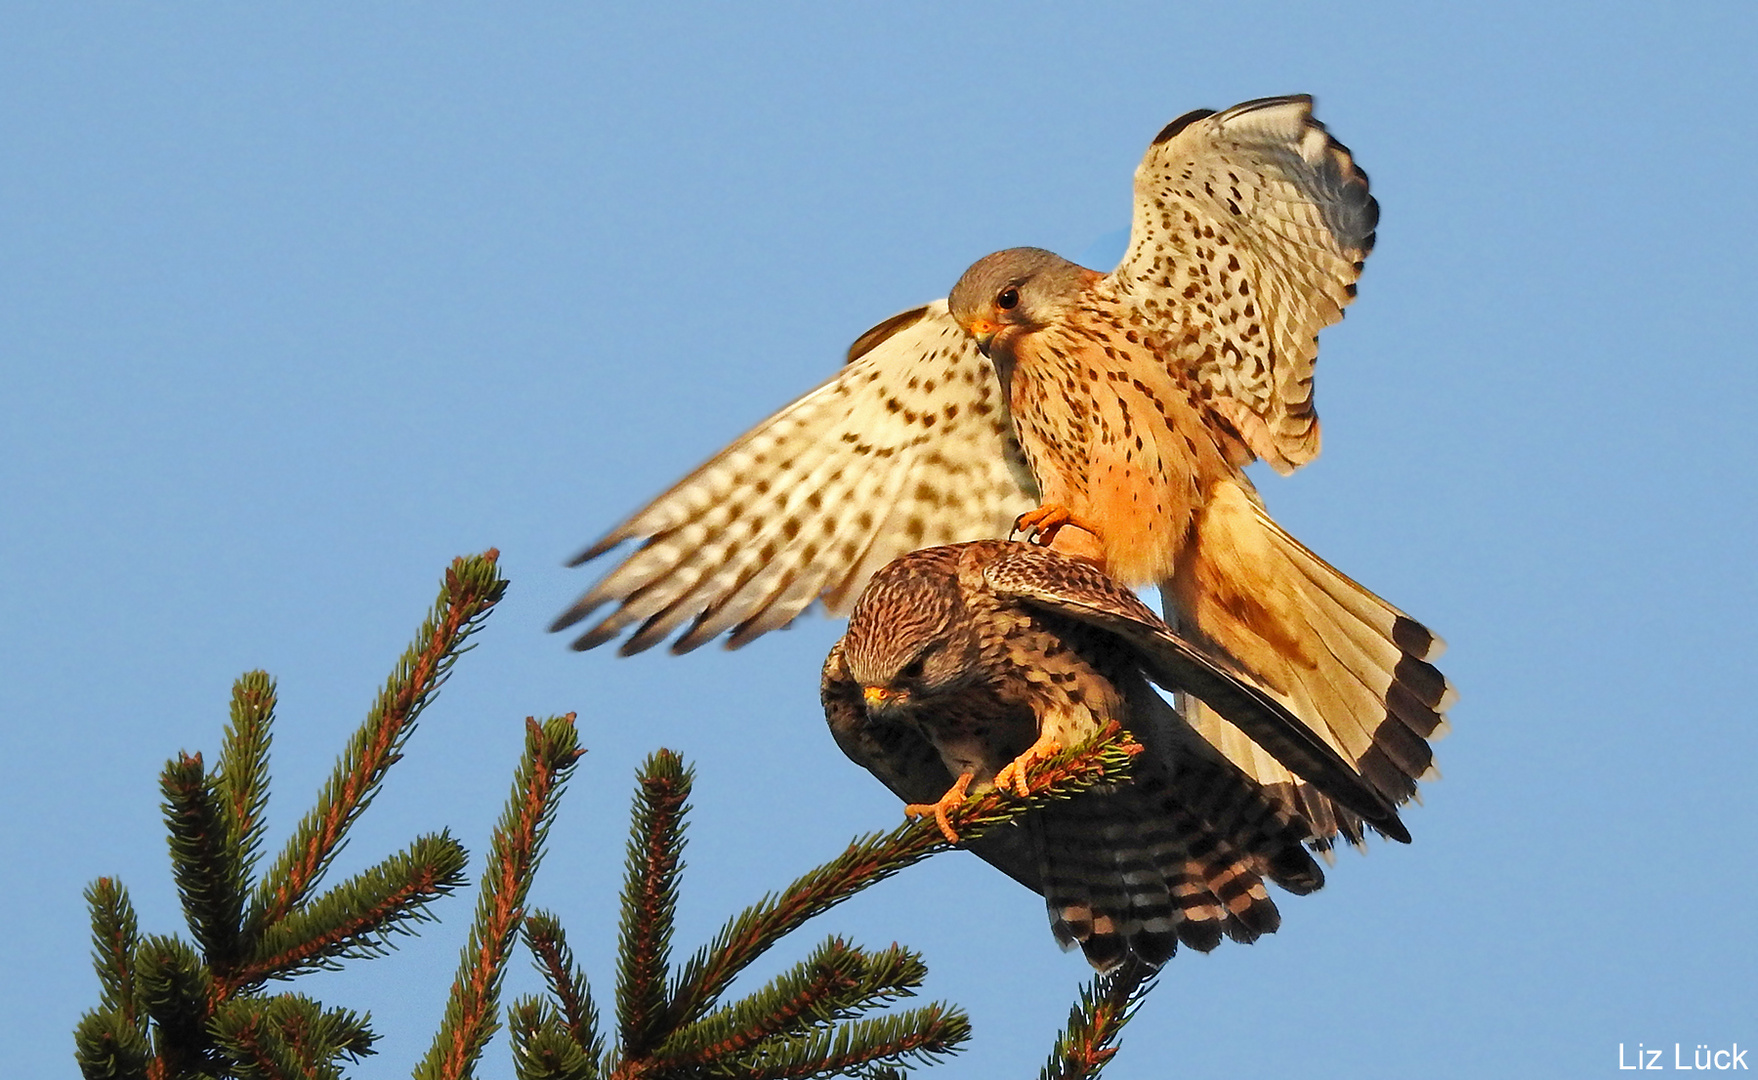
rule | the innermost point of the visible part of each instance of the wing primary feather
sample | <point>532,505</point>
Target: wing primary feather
<point>738,545</point>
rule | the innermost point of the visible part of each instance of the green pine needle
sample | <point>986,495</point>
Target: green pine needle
<point>650,901</point>
<point>922,1035</point>
<point>241,780</point>
<point>1090,1040</point>
<point>358,919</point>
<point>472,587</point>
<point>115,934</point>
<point>543,1047</point>
<point>837,982</point>
<point>566,981</point>
<point>551,751</point>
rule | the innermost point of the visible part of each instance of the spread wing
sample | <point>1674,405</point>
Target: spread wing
<point>909,445</point>
<point>1249,232</point>
<point>1074,589</point>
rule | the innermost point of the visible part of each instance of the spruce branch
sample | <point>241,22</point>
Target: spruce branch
<point>173,1011</point>
<point>357,919</point>
<point>106,1046</point>
<point>205,862</point>
<point>1090,1040</point>
<point>923,1035</point>
<point>472,587</point>
<point>543,1047</point>
<point>551,752</point>
<point>566,981</point>
<point>170,1011</point>
<point>650,901</point>
<point>241,781</point>
<point>115,935</point>
<point>837,982</point>
<point>871,859</point>
<point>290,1035</point>
<point>175,991</point>
<point>110,1042</point>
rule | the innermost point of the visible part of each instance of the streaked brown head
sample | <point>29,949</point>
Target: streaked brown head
<point>910,639</point>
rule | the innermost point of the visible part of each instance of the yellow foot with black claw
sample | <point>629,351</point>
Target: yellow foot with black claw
<point>939,810</point>
<point>1012,776</point>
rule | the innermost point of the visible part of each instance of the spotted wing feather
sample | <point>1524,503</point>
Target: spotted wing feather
<point>909,445</point>
<point>1250,229</point>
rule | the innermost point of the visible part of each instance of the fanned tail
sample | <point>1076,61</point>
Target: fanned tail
<point>1354,669</point>
<point>1145,866</point>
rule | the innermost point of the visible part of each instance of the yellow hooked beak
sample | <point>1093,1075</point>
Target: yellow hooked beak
<point>878,697</point>
<point>984,331</point>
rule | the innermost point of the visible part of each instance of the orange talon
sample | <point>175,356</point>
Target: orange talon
<point>953,797</point>
<point>1046,521</point>
<point>1013,774</point>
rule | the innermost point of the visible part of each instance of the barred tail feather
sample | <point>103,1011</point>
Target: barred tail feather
<point>1354,669</point>
<point>1127,871</point>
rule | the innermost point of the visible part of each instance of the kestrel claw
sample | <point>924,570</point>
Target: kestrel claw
<point>1012,776</point>
<point>1041,525</point>
<point>939,810</point>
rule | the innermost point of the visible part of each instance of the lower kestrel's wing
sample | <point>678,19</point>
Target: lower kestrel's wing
<point>1054,582</point>
<point>909,765</point>
<point>1329,820</point>
<point>1249,233</point>
<point>909,445</point>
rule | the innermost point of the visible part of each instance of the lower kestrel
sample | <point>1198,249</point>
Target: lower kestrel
<point>961,663</point>
<point>1112,414</point>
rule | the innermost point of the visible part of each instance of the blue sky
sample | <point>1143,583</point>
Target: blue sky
<point>296,305</point>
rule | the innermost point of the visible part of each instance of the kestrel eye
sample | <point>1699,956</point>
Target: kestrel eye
<point>912,670</point>
<point>1008,300</point>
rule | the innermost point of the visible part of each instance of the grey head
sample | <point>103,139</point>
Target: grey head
<point>910,639</point>
<point>1013,292</point>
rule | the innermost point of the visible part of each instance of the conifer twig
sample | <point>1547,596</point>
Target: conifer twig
<point>115,932</point>
<point>170,1011</point>
<point>290,1035</point>
<point>472,587</point>
<point>551,752</point>
<point>578,1012</point>
<point>1090,1040</point>
<point>543,1048</point>
<point>650,900</point>
<point>205,862</point>
<point>837,982</point>
<point>242,780</point>
<point>110,1041</point>
<point>175,991</point>
<point>356,920</point>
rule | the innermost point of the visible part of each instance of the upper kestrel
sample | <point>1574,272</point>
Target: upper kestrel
<point>1115,413</point>
<point>963,663</point>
